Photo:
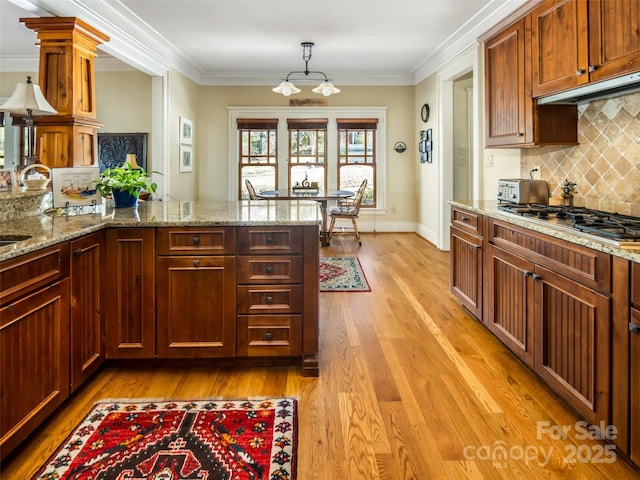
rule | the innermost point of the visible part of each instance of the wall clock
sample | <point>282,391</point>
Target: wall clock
<point>425,112</point>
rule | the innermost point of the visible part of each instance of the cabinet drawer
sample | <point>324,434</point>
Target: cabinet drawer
<point>269,270</point>
<point>269,240</point>
<point>24,273</point>
<point>269,335</point>
<point>196,241</point>
<point>270,299</point>
<point>466,220</point>
<point>582,264</point>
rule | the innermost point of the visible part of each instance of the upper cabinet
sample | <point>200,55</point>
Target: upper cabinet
<point>513,119</point>
<point>574,42</point>
<point>614,38</point>
<point>559,46</point>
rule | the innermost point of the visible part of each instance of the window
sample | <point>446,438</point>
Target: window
<point>276,146</point>
<point>258,154</point>
<point>357,156</point>
<point>307,153</point>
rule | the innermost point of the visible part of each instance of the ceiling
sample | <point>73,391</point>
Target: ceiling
<point>245,42</point>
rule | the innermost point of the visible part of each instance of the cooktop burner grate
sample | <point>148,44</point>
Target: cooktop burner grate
<point>604,224</point>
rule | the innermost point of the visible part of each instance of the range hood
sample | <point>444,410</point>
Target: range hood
<point>595,91</point>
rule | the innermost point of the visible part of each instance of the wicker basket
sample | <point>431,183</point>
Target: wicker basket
<point>35,183</point>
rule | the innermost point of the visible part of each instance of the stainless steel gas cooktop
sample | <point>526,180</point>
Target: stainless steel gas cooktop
<point>620,230</point>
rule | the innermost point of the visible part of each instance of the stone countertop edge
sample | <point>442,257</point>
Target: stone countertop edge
<point>47,230</point>
<point>489,208</point>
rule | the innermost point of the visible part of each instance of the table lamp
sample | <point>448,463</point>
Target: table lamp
<point>27,99</point>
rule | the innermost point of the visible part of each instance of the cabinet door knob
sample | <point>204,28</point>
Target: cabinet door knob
<point>633,328</point>
<point>519,134</point>
<point>269,269</point>
<point>536,277</point>
<point>268,336</point>
<point>464,218</point>
<point>592,68</point>
<point>527,273</point>
<point>196,263</point>
<point>77,253</point>
<point>269,240</point>
<point>269,300</point>
<point>580,71</point>
<point>196,240</point>
<point>477,247</point>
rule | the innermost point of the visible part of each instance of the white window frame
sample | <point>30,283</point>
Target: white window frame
<point>331,113</point>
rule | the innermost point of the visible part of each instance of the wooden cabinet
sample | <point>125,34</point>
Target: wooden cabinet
<point>559,46</point>
<point>634,365</point>
<point>87,327</point>
<point>569,288</point>
<point>614,38</point>
<point>270,284</point>
<point>34,341</point>
<point>196,286</point>
<point>509,301</point>
<point>575,42</point>
<point>465,278</point>
<point>512,116</point>
<point>130,288</point>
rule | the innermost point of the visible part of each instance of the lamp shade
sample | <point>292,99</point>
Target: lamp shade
<point>326,89</point>
<point>28,97</point>
<point>286,88</point>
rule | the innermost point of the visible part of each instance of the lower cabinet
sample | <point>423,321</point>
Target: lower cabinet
<point>87,326</point>
<point>34,361</point>
<point>572,341</point>
<point>130,288</point>
<point>196,307</point>
<point>509,301</point>
<point>466,270</point>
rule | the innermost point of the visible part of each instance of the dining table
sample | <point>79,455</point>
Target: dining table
<point>323,197</point>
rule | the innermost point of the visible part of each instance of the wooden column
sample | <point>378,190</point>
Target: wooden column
<point>67,79</point>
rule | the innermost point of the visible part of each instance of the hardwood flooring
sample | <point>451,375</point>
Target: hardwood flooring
<point>410,387</point>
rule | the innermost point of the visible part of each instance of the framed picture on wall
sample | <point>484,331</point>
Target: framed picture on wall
<point>7,180</point>
<point>113,149</point>
<point>186,158</point>
<point>186,131</point>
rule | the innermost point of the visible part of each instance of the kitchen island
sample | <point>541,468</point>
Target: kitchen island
<point>230,283</point>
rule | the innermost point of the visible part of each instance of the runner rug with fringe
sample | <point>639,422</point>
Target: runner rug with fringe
<point>204,439</point>
<point>342,274</point>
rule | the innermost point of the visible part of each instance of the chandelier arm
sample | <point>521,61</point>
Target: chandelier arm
<point>306,73</point>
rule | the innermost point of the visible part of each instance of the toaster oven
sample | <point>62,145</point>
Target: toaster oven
<point>523,191</point>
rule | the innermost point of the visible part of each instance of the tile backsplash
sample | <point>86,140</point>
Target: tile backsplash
<point>605,165</point>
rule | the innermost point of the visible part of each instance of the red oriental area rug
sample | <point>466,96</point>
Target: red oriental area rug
<point>203,440</point>
<point>342,274</point>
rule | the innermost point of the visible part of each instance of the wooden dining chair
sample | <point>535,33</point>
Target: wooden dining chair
<point>349,208</point>
<point>252,191</point>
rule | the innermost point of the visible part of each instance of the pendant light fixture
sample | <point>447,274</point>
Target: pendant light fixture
<point>325,88</point>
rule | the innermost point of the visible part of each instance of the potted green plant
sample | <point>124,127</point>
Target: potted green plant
<point>124,184</point>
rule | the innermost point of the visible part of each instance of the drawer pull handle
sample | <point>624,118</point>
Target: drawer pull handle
<point>196,240</point>
<point>269,240</point>
<point>269,300</point>
<point>268,336</point>
<point>633,328</point>
<point>196,263</point>
<point>464,218</point>
<point>269,270</point>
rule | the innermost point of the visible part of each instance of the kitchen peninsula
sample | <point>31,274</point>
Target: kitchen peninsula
<point>235,283</point>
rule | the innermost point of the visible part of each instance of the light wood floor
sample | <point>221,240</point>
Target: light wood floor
<point>411,387</point>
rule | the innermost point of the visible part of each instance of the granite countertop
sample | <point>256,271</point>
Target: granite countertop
<point>48,229</point>
<point>490,209</point>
